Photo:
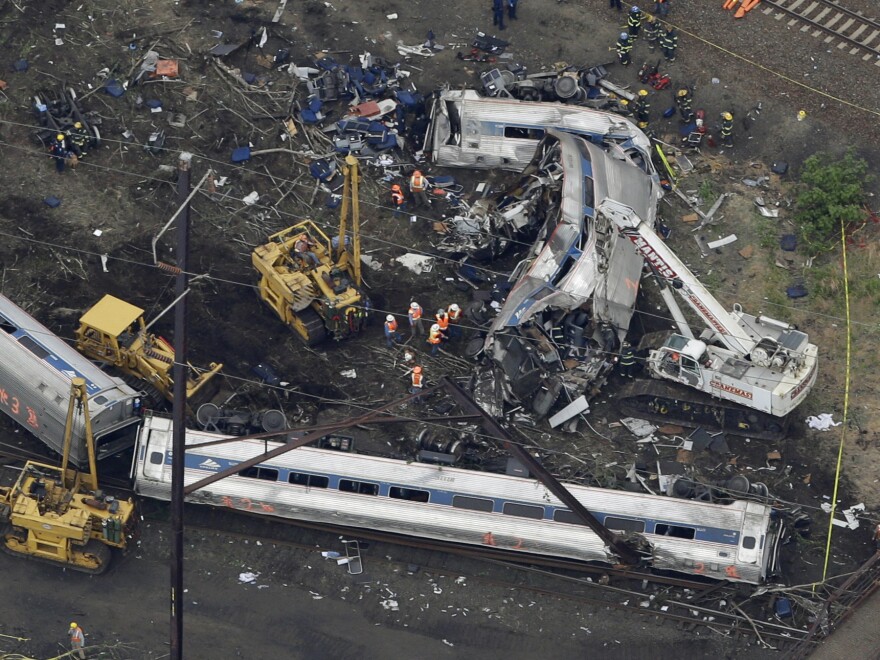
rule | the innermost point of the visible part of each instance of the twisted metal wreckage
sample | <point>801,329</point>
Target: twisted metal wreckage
<point>573,295</point>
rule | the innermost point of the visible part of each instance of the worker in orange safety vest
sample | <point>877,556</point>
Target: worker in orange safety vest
<point>77,640</point>
<point>415,319</point>
<point>418,186</point>
<point>434,338</point>
<point>391,333</point>
<point>398,201</point>
<point>454,315</point>
<point>417,383</point>
<point>442,320</point>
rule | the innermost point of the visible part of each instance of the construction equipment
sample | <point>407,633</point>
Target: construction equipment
<point>114,332</point>
<point>744,374</point>
<point>316,290</point>
<point>58,514</point>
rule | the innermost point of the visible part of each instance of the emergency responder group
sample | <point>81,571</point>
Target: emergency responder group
<point>666,38</point>
<point>446,326</point>
<point>68,147</point>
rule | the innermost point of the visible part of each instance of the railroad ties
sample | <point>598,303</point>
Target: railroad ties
<point>834,23</point>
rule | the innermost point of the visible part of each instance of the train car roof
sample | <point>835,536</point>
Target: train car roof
<point>111,315</point>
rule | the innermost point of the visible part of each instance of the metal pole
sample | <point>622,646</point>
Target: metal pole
<point>179,375</point>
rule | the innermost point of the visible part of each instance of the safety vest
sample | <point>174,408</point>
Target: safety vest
<point>624,47</point>
<point>416,379</point>
<point>443,321</point>
<point>76,636</point>
<point>390,327</point>
<point>397,197</point>
<point>454,315</point>
<point>415,313</point>
<point>435,337</point>
<point>417,183</point>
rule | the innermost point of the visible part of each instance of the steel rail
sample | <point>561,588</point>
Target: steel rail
<point>823,25</point>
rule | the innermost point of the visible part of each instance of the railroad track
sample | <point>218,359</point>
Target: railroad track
<point>833,23</point>
<point>719,607</point>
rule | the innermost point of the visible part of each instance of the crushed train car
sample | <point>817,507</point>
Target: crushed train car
<point>470,130</point>
<point>556,335</point>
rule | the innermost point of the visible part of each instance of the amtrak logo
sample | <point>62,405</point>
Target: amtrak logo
<point>209,464</point>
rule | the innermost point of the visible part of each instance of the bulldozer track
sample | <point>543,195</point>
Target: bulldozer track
<point>835,23</point>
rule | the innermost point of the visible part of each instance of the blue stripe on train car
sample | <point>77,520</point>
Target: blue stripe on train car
<point>444,497</point>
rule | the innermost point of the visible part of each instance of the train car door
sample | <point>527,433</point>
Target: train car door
<point>153,441</point>
<point>751,540</point>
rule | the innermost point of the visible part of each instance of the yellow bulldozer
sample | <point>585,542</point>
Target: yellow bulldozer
<point>312,285</point>
<point>59,515</point>
<point>114,332</point>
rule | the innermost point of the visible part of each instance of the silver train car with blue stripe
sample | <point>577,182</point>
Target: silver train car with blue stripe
<point>738,541</point>
<point>35,373</point>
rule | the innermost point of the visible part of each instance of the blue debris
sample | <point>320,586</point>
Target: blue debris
<point>249,78</point>
<point>114,88</point>
<point>52,202</point>
<point>796,291</point>
<point>241,154</point>
<point>783,608</point>
<point>153,103</point>
<point>20,66</point>
<point>669,112</point>
<point>788,242</point>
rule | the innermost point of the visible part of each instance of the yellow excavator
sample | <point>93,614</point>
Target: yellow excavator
<point>114,332</point>
<point>59,515</point>
<point>312,285</point>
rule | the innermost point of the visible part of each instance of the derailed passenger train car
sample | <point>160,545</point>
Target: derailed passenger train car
<point>737,541</point>
<point>473,131</point>
<point>35,375</point>
<point>573,296</point>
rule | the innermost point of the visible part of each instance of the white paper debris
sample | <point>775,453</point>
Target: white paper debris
<point>329,554</point>
<point>104,258</point>
<point>727,240</point>
<point>638,427</point>
<point>248,578</point>
<point>97,232</point>
<point>392,17</point>
<point>417,263</point>
<point>251,199</point>
<point>348,373</point>
<point>821,422</point>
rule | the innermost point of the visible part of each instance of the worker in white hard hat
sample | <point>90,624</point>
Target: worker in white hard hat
<point>454,316</point>
<point>391,333</point>
<point>415,314</point>
<point>434,338</point>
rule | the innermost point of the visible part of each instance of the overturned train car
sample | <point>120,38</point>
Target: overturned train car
<point>35,376</point>
<point>555,338</point>
<point>738,541</point>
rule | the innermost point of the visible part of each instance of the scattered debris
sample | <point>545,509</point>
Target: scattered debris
<point>821,422</point>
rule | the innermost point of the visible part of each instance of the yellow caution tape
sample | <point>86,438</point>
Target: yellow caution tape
<point>665,162</point>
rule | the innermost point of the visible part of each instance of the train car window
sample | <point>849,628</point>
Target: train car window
<point>362,487</point>
<point>566,516</point>
<point>523,510</point>
<point>254,472</point>
<point>472,503</point>
<point>675,530</point>
<point>33,347</point>
<point>156,457</point>
<point>523,133</point>
<point>6,326</point>
<point>749,542</point>
<point>409,494</point>
<point>310,480</point>
<point>624,524</point>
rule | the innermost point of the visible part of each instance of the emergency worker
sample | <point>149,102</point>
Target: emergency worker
<point>624,47</point>
<point>415,319</point>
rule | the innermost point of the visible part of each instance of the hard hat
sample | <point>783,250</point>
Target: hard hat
<point>727,116</point>
<point>624,36</point>
<point>454,307</point>
<point>389,318</point>
<point>682,92</point>
<point>441,311</point>
<point>417,173</point>
<point>60,136</point>
<point>414,305</point>
<point>643,92</point>
<point>73,625</point>
<point>624,102</point>
<point>417,370</point>
<point>634,10</point>
<point>435,327</point>
<point>395,187</point>
<point>78,125</point>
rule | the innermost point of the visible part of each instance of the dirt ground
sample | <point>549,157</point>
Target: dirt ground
<point>52,267</point>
